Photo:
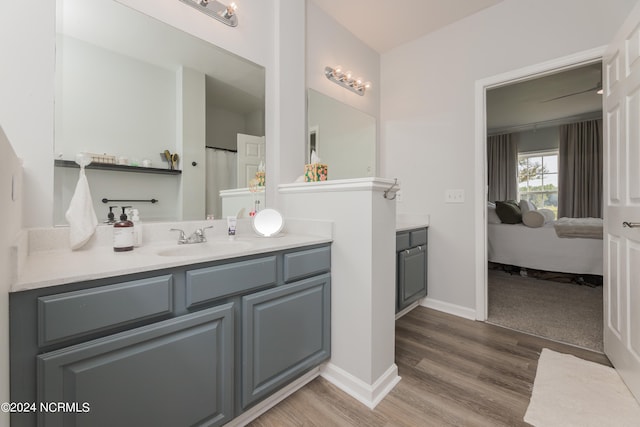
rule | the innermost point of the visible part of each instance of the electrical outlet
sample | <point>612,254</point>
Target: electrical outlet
<point>399,196</point>
<point>454,196</point>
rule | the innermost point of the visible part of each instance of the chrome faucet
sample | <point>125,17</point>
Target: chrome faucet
<point>197,236</point>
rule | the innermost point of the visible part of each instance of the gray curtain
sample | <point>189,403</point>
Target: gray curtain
<point>580,170</point>
<point>502,167</point>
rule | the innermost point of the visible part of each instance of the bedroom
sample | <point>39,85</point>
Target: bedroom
<point>538,282</point>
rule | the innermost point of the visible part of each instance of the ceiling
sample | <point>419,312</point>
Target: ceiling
<point>383,25</point>
<point>529,104</point>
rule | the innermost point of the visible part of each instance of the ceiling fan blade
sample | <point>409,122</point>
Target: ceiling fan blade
<point>592,89</point>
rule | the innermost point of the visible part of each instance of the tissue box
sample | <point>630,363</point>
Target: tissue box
<point>315,172</point>
<point>260,179</point>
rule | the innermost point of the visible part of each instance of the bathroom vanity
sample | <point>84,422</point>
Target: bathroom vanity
<point>197,343</point>
<point>411,266</point>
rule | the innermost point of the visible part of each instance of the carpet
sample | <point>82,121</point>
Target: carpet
<point>564,312</point>
<point>569,391</point>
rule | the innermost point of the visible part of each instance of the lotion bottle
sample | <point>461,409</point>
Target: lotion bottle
<point>137,228</point>
<point>123,233</point>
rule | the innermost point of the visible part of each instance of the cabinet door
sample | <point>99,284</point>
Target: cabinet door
<point>285,332</point>
<point>412,275</point>
<point>178,372</point>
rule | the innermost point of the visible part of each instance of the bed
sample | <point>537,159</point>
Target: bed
<point>542,249</point>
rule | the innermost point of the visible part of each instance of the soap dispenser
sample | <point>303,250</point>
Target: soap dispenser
<point>123,233</point>
<point>111,217</point>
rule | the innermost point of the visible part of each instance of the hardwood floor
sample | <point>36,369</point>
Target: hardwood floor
<point>455,372</point>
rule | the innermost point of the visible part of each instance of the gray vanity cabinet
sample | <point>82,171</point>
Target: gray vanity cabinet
<point>285,332</point>
<point>177,372</point>
<point>182,346</point>
<point>411,271</point>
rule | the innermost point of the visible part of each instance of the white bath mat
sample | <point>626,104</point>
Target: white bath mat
<point>569,391</point>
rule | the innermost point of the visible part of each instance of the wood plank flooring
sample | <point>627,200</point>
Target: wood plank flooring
<point>455,372</point>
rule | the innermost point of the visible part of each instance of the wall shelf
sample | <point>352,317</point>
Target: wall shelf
<point>119,168</point>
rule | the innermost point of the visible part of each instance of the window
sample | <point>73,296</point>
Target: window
<point>538,179</point>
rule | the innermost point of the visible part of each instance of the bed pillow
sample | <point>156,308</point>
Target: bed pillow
<point>548,214</point>
<point>509,212</point>
<point>526,206</point>
<point>533,219</point>
<point>492,216</point>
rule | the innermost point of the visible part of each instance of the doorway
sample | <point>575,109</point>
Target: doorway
<point>517,76</point>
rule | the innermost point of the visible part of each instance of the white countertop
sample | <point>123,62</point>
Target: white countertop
<point>409,222</point>
<point>49,262</point>
<point>49,265</point>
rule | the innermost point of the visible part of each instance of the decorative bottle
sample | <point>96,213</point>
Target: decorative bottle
<point>123,233</point>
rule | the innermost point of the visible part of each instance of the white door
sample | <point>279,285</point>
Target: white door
<point>250,154</point>
<point>621,71</point>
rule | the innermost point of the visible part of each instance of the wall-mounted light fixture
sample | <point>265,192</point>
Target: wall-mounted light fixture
<point>345,79</point>
<point>216,10</point>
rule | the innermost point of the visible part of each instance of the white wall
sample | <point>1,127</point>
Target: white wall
<point>428,115</point>
<point>10,217</point>
<point>129,185</point>
<point>285,119</point>
<point>330,44</point>
<point>191,124</point>
<point>255,123</point>
<point>345,137</point>
<point>223,127</point>
<point>108,102</point>
<point>270,33</point>
<point>27,43</point>
<point>362,278</point>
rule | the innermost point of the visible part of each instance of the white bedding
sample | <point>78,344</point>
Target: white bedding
<point>541,249</point>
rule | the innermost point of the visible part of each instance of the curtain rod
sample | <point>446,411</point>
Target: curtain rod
<point>594,115</point>
<point>223,149</point>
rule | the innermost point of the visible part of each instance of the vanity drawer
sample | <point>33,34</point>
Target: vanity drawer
<point>311,262</point>
<point>206,284</point>
<point>402,241</point>
<point>419,237</point>
<point>78,313</point>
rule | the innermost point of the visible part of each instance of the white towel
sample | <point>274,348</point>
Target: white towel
<point>588,228</point>
<point>81,216</point>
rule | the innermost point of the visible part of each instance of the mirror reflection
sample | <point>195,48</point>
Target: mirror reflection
<point>130,88</point>
<point>343,137</point>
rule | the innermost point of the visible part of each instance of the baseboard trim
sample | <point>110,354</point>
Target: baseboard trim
<point>456,310</point>
<point>367,394</point>
<point>271,401</point>
<point>407,309</point>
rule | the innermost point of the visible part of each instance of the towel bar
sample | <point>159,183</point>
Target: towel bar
<point>105,200</point>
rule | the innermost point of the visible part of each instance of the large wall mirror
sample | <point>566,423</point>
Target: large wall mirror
<point>131,87</point>
<point>343,137</point>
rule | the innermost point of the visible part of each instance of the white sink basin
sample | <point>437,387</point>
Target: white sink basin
<point>204,249</point>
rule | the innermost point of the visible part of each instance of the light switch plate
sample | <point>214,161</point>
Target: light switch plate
<point>454,196</point>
